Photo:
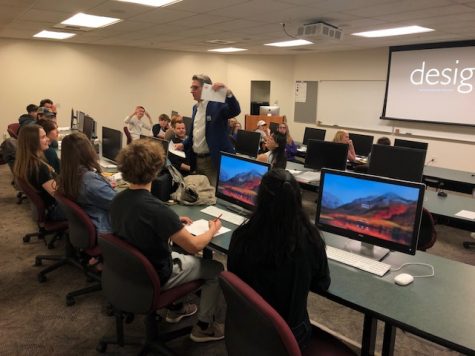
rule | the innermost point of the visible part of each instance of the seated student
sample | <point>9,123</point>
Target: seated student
<point>45,113</point>
<point>48,104</point>
<point>135,123</point>
<point>234,130</point>
<point>32,167</point>
<point>384,141</point>
<point>82,182</point>
<point>276,151</point>
<point>180,163</point>
<point>280,253</point>
<point>290,146</point>
<point>169,134</point>
<point>30,116</point>
<point>264,131</point>
<point>51,129</point>
<point>343,136</point>
<point>162,127</point>
<point>155,226</point>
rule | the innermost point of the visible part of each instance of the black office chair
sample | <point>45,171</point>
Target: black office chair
<point>427,231</point>
<point>253,327</point>
<point>131,285</point>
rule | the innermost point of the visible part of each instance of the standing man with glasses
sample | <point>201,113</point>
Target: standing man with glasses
<point>209,128</point>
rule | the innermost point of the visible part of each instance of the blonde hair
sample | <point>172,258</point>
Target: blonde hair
<point>339,136</point>
<point>288,138</point>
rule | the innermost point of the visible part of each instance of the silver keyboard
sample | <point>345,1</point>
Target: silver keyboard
<point>364,263</point>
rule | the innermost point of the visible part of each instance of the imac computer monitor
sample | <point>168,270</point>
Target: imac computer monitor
<point>111,143</point>
<point>322,154</point>
<point>80,118</point>
<point>88,126</point>
<point>313,134</point>
<point>411,144</point>
<point>187,120</point>
<point>362,143</point>
<point>247,143</point>
<point>239,179</point>
<point>381,214</point>
<point>163,142</point>
<point>397,162</point>
<point>269,110</point>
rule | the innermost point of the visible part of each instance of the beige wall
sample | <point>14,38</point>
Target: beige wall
<point>107,82</point>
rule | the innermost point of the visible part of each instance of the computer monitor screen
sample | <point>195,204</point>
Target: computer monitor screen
<point>88,126</point>
<point>362,143</point>
<point>239,179</point>
<point>312,133</point>
<point>247,142</point>
<point>81,120</point>
<point>269,110</point>
<point>187,120</point>
<point>111,143</point>
<point>373,210</point>
<point>326,154</point>
<point>397,162</point>
<point>411,144</point>
<point>163,142</point>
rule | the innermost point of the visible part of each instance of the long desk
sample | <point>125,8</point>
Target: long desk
<point>451,179</point>
<point>438,309</point>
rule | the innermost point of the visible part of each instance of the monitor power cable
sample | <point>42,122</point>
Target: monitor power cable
<point>417,264</point>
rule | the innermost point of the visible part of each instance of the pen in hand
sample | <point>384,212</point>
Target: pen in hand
<point>218,217</point>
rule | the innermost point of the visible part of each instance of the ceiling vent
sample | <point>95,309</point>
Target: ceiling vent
<point>220,42</point>
<point>73,28</point>
<point>319,30</point>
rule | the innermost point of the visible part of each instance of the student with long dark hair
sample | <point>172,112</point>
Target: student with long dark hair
<point>275,155</point>
<point>82,182</point>
<point>280,253</point>
<point>51,129</point>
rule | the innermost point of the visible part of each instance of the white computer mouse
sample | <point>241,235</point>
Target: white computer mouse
<point>403,279</point>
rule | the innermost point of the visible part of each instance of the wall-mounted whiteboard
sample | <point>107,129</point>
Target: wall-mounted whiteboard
<point>354,104</point>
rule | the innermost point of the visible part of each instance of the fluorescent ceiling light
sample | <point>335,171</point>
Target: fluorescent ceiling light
<point>154,3</point>
<point>55,35</point>
<point>227,50</point>
<point>394,31</point>
<point>85,20</point>
<point>291,43</point>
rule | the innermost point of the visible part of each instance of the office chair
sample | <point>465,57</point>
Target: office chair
<point>127,134</point>
<point>253,327</point>
<point>131,284</point>
<point>427,232</point>
<point>8,154</point>
<point>83,237</point>
<point>12,129</point>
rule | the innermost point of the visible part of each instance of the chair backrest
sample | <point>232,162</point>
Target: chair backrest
<point>127,134</point>
<point>13,129</point>
<point>129,281</point>
<point>253,327</point>
<point>427,232</point>
<point>39,208</point>
<point>82,231</point>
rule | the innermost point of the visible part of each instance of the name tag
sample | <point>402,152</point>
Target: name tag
<point>208,117</point>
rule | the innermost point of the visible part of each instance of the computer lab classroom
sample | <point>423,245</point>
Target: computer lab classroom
<point>414,87</point>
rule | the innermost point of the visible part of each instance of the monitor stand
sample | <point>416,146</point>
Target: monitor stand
<point>367,250</point>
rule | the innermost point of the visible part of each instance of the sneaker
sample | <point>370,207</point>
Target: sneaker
<point>174,316</point>
<point>214,332</point>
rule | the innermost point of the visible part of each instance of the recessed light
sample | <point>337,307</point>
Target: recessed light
<point>227,50</point>
<point>291,43</point>
<point>397,31</point>
<point>154,3</point>
<point>54,35</point>
<point>85,20</point>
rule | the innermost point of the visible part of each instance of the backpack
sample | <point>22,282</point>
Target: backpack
<point>194,189</point>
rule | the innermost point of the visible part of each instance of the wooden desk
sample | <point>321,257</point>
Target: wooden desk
<point>250,121</point>
<point>438,309</point>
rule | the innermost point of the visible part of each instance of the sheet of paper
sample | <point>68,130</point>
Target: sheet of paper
<point>209,94</point>
<point>308,177</point>
<point>199,227</point>
<point>466,214</point>
<point>173,150</point>
<point>300,92</point>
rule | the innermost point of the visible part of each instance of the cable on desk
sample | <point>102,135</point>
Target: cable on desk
<point>417,264</point>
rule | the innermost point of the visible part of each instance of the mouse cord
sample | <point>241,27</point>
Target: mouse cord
<point>418,264</point>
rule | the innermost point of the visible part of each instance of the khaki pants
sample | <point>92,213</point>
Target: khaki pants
<point>205,166</point>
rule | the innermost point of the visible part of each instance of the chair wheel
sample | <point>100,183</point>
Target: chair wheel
<point>70,301</point>
<point>41,278</point>
<point>26,239</point>
<point>101,347</point>
<point>38,262</point>
<point>129,317</point>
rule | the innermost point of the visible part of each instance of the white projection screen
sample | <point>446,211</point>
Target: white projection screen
<point>431,83</point>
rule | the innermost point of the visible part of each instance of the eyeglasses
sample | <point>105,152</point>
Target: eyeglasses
<point>194,87</point>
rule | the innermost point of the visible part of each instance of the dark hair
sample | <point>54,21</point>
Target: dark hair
<point>140,161</point>
<point>31,108</point>
<point>46,101</point>
<point>77,156</point>
<point>47,124</point>
<point>164,117</point>
<point>202,78</point>
<point>384,141</point>
<point>279,159</point>
<point>278,224</point>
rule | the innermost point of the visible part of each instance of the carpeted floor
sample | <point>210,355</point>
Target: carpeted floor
<point>34,319</point>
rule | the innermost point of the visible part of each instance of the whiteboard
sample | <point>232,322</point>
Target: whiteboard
<point>353,104</point>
